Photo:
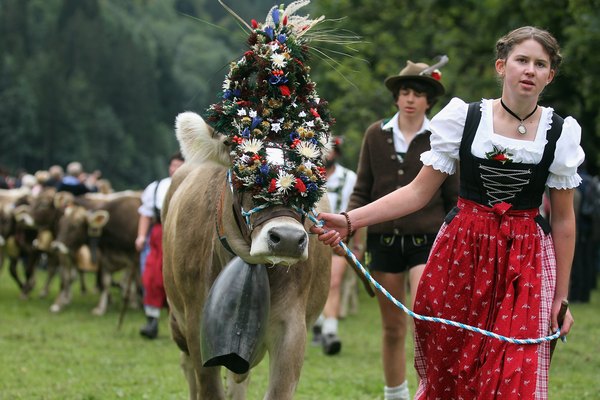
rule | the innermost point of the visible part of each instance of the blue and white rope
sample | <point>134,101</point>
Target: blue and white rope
<point>433,319</point>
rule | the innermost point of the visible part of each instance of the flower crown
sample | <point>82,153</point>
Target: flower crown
<point>276,123</point>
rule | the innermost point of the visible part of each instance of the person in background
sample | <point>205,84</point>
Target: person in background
<point>398,249</point>
<point>150,228</point>
<point>71,182</point>
<point>496,264</point>
<point>340,182</point>
<point>56,173</point>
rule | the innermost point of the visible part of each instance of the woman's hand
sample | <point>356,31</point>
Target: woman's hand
<point>333,229</point>
<point>567,323</point>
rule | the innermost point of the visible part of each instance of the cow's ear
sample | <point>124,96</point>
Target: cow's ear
<point>22,215</point>
<point>97,219</point>
<point>63,199</point>
<point>198,140</point>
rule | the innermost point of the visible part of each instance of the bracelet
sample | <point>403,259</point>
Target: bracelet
<point>349,227</point>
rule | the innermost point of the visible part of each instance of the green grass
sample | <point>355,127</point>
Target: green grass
<point>77,356</point>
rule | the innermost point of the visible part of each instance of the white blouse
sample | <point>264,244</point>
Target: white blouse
<point>447,129</point>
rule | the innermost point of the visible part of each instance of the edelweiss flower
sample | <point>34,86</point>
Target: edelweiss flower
<point>285,182</point>
<point>251,145</point>
<point>278,60</point>
<point>276,127</point>
<point>241,112</point>
<point>226,84</point>
<point>252,113</point>
<point>308,150</point>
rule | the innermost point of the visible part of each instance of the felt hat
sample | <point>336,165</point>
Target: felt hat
<point>419,72</point>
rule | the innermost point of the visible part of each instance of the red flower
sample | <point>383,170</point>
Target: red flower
<point>285,20</point>
<point>315,113</point>
<point>285,91</point>
<point>500,157</point>
<point>248,54</point>
<point>254,24</point>
<point>436,75</point>
<point>273,185</point>
<point>300,185</point>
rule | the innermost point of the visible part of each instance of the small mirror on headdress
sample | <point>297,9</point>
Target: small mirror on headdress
<point>275,156</point>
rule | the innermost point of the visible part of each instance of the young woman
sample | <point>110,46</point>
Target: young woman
<point>494,264</point>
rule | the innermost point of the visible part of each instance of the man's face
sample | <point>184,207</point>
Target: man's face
<point>174,165</point>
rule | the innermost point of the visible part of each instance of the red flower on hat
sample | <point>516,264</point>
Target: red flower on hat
<point>272,186</point>
<point>437,75</point>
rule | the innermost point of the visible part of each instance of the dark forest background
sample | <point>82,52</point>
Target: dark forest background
<point>101,81</point>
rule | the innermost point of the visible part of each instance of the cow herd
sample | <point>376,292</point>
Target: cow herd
<point>69,236</point>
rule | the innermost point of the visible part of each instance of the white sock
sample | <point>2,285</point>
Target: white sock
<point>151,311</point>
<point>397,393</point>
<point>330,326</point>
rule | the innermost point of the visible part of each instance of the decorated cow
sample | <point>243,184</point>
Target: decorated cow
<point>242,275</point>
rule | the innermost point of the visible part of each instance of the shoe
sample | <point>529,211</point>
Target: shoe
<point>150,330</point>
<point>317,337</point>
<point>331,344</point>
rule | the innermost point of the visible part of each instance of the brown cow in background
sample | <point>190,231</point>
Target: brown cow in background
<point>194,257</point>
<point>109,228</point>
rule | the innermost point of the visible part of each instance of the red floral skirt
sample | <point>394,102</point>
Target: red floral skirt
<point>492,268</point>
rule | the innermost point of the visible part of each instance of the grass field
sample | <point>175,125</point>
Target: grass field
<point>77,356</point>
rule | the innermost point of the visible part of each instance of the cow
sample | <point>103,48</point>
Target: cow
<point>17,232</point>
<point>109,228</point>
<point>199,199</point>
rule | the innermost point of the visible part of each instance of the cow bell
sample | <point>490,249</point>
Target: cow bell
<point>235,316</point>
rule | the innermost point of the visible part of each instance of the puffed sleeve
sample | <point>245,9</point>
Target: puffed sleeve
<point>446,134</point>
<point>147,207</point>
<point>567,157</point>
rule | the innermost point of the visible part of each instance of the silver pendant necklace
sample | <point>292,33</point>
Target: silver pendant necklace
<point>521,128</point>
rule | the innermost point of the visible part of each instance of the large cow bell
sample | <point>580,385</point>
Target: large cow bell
<point>235,316</point>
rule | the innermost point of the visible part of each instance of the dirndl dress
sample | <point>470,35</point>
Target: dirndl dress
<point>492,266</point>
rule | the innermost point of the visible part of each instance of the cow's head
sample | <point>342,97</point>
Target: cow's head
<point>77,226</point>
<point>270,222</point>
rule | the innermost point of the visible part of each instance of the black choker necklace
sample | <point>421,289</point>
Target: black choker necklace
<point>521,128</point>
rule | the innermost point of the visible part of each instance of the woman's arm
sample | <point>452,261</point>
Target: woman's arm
<point>400,202</point>
<point>563,234</point>
<point>397,204</point>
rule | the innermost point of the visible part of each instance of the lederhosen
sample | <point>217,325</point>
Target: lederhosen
<point>492,266</point>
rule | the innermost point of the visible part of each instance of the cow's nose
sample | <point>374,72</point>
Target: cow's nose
<point>287,241</point>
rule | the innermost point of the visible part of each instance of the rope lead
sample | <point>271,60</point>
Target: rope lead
<point>398,304</point>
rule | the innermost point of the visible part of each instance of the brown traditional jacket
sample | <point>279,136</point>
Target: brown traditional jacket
<point>380,172</point>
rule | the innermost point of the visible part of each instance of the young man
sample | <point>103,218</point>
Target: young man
<point>398,249</point>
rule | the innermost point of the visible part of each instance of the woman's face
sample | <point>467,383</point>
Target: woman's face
<point>526,71</point>
<point>412,103</point>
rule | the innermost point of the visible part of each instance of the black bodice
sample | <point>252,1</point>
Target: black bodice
<point>490,181</point>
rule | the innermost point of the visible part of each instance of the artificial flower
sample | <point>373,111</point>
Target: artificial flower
<point>308,150</point>
<point>285,181</point>
<point>285,90</point>
<point>251,145</point>
<point>279,60</point>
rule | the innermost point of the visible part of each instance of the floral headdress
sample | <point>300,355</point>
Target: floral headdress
<point>276,123</point>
